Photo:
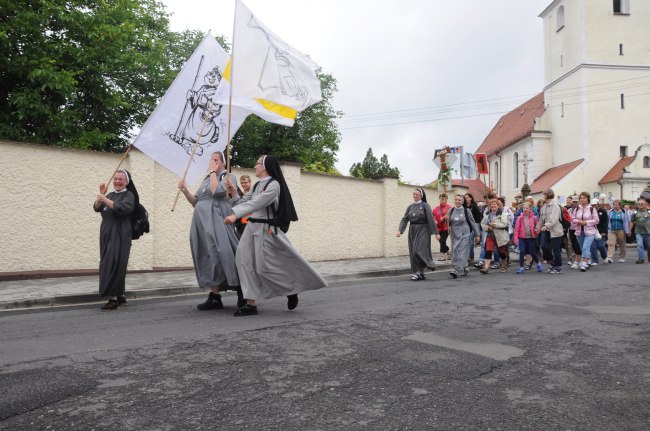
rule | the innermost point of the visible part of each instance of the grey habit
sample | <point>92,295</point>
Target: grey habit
<point>420,231</point>
<point>213,243</point>
<point>115,243</point>
<point>268,263</point>
<point>460,234</point>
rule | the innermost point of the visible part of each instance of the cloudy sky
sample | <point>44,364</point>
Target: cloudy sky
<point>413,75</point>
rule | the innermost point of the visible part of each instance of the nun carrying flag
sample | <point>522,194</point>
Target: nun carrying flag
<point>267,262</point>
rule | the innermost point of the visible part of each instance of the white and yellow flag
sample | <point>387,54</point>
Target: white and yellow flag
<point>268,76</point>
<point>189,115</point>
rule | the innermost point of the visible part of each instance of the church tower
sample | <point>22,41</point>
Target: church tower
<point>597,83</point>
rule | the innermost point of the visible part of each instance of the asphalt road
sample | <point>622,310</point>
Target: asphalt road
<point>495,352</point>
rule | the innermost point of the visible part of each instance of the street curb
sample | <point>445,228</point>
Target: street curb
<point>91,298</point>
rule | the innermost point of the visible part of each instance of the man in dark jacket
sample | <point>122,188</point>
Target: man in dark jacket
<point>600,245</point>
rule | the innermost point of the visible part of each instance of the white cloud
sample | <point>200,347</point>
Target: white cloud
<point>396,55</point>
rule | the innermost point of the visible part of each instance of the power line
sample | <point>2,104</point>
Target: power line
<point>354,123</point>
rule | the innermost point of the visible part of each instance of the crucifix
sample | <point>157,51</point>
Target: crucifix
<point>526,161</point>
<point>525,189</point>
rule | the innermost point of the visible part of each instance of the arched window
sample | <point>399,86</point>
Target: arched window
<point>560,19</point>
<point>496,177</point>
<point>515,170</point>
<point>646,162</point>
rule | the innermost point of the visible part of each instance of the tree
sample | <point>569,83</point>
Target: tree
<point>313,140</point>
<point>84,73</point>
<point>373,168</point>
<point>87,73</point>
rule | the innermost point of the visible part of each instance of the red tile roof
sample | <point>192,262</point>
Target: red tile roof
<point>476,187</point>
<point>513,126</point>
<point>552,176</point>
<point>616,173</point>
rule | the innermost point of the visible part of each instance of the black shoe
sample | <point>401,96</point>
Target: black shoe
<point>241,301</point>
<point>121,301</point>
<point>246,310</point>
<point>212,303</point>
<point>453,274</point>
<point>292,301</point>
<point>110,305</point>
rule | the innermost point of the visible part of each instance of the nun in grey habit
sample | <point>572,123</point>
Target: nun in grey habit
<point>116,209</point>
<point>267,262</point>
<point>212,242</point>
<point>461,225</point>
<point>422,226</point>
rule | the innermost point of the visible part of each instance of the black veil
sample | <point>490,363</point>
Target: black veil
<point>286,209</point>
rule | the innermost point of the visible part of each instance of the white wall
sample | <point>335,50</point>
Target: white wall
<point>48,224</point>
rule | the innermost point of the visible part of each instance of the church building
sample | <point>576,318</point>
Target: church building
<point>589,129</point>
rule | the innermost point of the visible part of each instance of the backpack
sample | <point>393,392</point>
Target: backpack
<point>276,220</point>
<point>565,217</point>
<point>139,222</point>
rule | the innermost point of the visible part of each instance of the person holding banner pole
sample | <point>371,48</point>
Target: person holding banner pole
<point>212,242</point>
<point>268,264</point>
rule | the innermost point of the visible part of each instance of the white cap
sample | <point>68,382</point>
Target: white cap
<point>594,201</point>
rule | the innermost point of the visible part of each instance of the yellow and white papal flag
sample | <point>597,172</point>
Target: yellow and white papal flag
<point>268,76</point>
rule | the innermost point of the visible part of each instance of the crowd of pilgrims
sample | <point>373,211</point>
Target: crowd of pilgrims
<point>237,238</point>
<point>238,241</point>
<point>538,232</point>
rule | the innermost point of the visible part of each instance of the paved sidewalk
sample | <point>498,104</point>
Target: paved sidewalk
<point>45,292</point>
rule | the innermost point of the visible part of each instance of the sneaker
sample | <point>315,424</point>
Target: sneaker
<point>622,260</point>
<point>583,267</point>
<point>110,305</point>
<point>465,272</point>
<point>594,263</point>
<point>609,260</point>
<point>540,268</point>
<point>212,303</point>
<point>556,271</point>
<point>478,265</point>
<point>292,301</point>
<point>453,273</point>
<point>495,266</point>
<point>521,271</point>
<point>569,262</point>
<point>527,266</point>
<point>121,301</point>
<point>640,261</point>
<point>246,310</point>
<point>575,265</point>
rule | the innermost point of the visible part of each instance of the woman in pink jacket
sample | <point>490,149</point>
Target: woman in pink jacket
<point>585,222</point>
<point>525,237</point>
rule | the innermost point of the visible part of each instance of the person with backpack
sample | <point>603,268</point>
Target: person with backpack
<point>585,223</point>
<point>599,243</point>
<point>115,234</point>
<point>213,244</point>
<point>550,230</point>
<point>619,229</point>
<point>461,227</point>
<point>267,262</point>
<point>419,217</point>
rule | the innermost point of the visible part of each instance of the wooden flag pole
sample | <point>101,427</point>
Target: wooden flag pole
<point>189,162</point>
<point>118,167</point>
<point>232,82</point>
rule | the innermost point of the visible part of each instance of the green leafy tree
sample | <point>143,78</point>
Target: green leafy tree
<point>313,140</point>
<point>370,167</point>
<point>82,73</point>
